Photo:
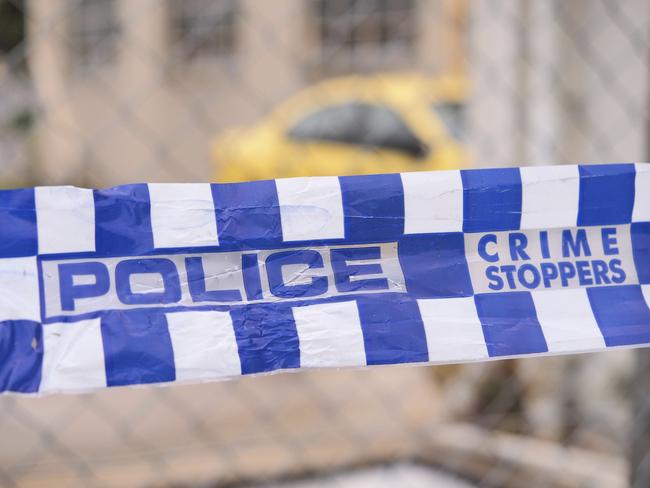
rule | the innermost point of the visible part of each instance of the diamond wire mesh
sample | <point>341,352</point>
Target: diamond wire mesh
<point>98,92</point>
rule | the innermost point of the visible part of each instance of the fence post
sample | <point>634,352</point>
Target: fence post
<point>640,428</point>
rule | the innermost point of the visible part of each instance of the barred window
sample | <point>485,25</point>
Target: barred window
<point>350,25</point>
<point>203,27</point>
<point>94,31</point>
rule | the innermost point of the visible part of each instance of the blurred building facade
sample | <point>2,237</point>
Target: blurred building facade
<point>135,90</point>
<point>17,99</point>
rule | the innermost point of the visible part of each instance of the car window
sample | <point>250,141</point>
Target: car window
<point>384,128</point>
<point>453,118</point>
<point>361,124</point>
<point>338,123</point>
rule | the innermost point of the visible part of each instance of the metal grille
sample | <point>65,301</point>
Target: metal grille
<point>102,92</point>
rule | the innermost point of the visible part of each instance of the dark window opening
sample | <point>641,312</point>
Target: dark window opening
<point>360,33</point>
<point>203,28</point>
<point>352,22</point>
<point>94,32</point>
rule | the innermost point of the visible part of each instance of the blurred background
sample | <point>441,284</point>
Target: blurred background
<point>103,92</point>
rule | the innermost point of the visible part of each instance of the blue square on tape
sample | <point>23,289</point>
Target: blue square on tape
<point>18,233</point>
<point>21,355</point>
<point>248,214</point>
<point>123,220</point>
<point>606,194</point>
<point>373,206</point>
<point>137,347</point>
<point>621,313</point>
<point>491,199</point>
<point>266,337</point>
<point>434,265</point>
<point>641,250</point>
<point>510,324</point>
<point>393,331</point>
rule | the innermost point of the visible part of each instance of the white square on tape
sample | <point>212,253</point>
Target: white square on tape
<point>204,345</point>
<point>311,208</point>
<point>330,335</point>
<point>182,215</point>
<point>641,212</point>
<point>567,320</point>
<point>19,298</point>
<point>65,219</point>
<point>549,196</point>
<point>73,357</point>
<point>433,202</point>
<point>453,329</point>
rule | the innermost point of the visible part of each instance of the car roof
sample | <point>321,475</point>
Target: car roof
<point>391,88</point>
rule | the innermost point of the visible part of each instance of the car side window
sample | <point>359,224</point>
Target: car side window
<point>453,118</point>
<point>384,128</point>
<point>337,123</point>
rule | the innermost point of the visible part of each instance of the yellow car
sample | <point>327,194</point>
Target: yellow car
<point>352,125</point>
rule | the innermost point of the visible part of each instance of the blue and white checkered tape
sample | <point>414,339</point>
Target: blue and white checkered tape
<point>192,282</point>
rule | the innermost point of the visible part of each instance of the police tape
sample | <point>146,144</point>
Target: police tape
<point>193,282</point>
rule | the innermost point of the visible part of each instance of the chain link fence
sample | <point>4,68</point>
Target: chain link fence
<point>102,92</point>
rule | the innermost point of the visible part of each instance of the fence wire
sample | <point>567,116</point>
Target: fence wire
<point>102,92</point>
